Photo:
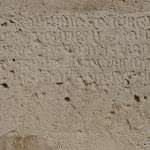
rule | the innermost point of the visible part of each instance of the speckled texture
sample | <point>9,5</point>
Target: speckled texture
<point>47,7</point>
<point>74,75</point>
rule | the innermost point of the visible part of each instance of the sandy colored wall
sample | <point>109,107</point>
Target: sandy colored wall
<point>74,75</point>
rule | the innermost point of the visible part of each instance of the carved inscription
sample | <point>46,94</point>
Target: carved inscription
<point>103,47</point>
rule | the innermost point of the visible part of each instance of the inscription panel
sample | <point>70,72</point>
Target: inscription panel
<point>103,46</point>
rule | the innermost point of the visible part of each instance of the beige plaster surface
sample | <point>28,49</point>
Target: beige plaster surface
<point>74,75</point>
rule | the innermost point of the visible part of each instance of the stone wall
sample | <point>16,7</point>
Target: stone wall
<point>74,75</point>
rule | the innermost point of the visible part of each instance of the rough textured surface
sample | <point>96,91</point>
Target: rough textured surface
<point>47,7</point>
<point>74,75</point>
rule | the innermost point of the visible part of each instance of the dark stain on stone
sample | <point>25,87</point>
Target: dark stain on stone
<point>17,142</point>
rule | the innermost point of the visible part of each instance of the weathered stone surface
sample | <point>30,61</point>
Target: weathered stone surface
<point>74,80</point>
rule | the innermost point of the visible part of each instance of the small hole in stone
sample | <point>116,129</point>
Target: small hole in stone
<point>12,71</point>
<point>67,99</point>
<point>128,82</point>
<point>5,85</point>
<point>43,93</point>
<point>19,31</point>
<point>59,83</point>
<point>11,21</point>
<point>112,112</point>
<point>137,98</point>
<point>14,60</point>
<point>145,97</point>
<point>129,77</point>
<point>106,91</point>
<point>4,24</point>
